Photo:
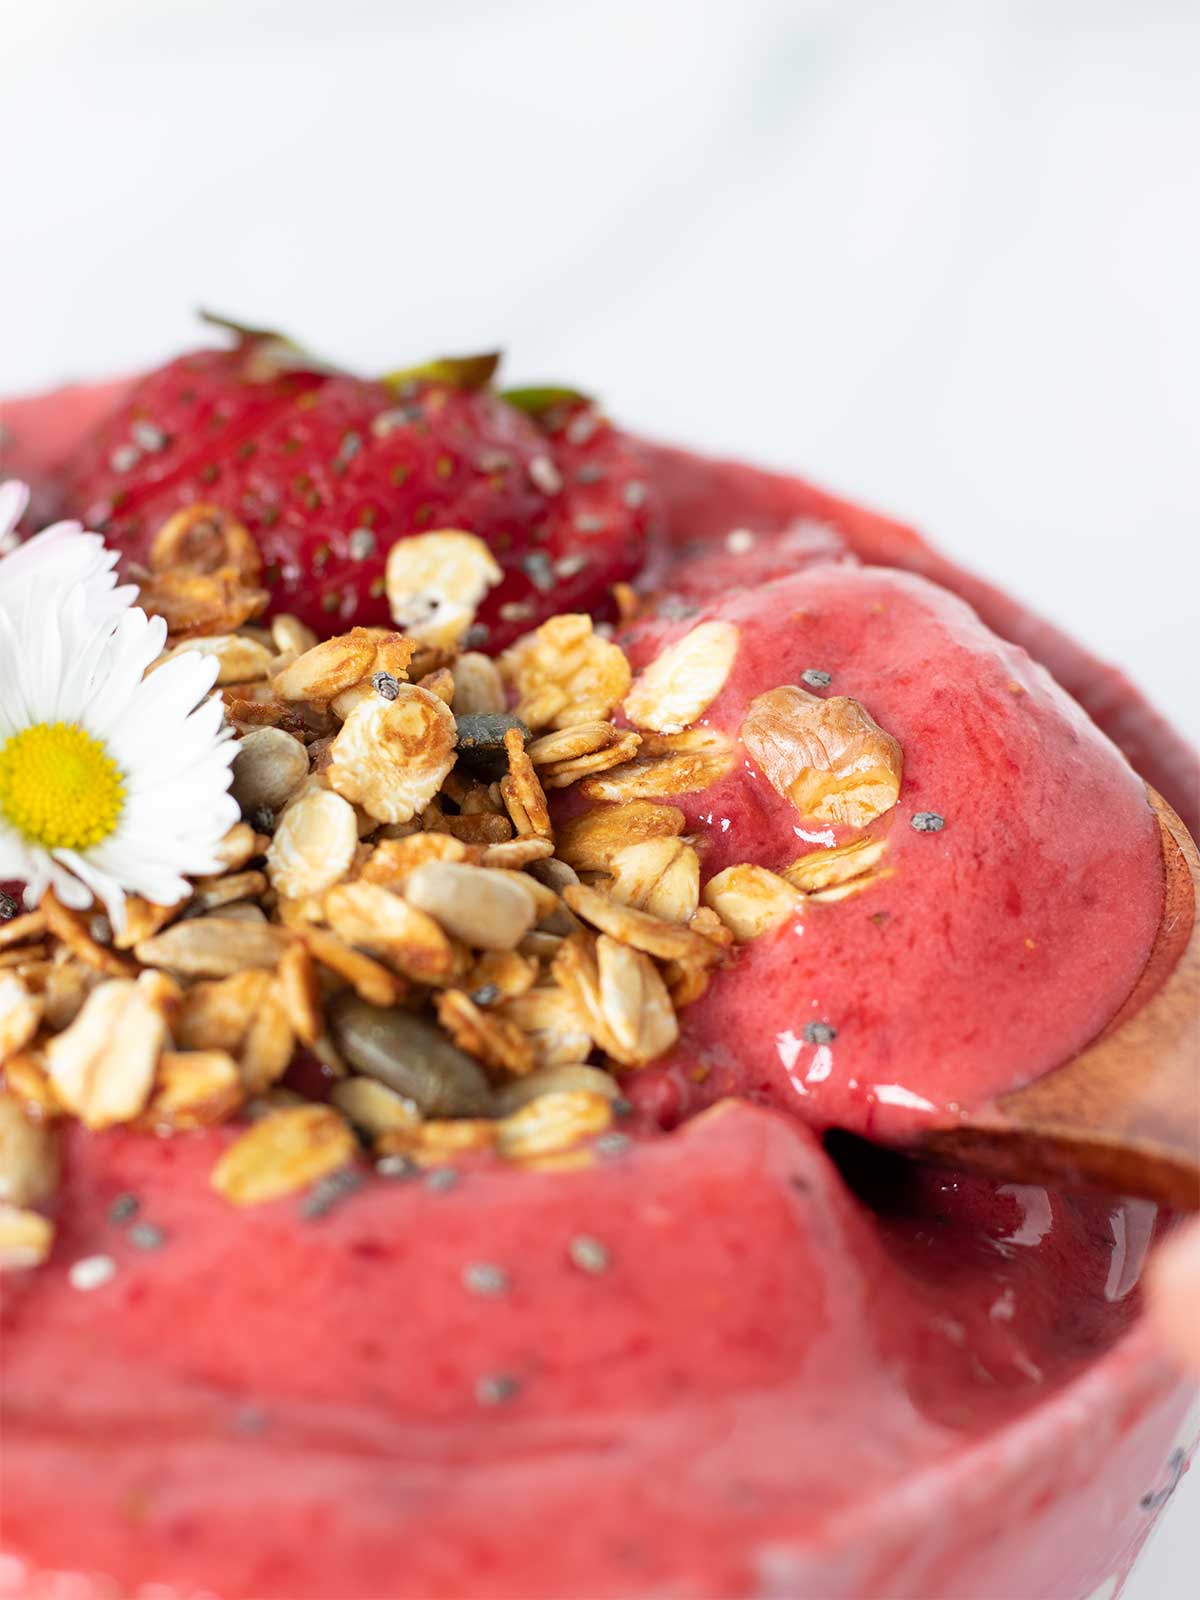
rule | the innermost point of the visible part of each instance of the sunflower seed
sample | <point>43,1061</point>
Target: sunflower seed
<point>409,1055</point>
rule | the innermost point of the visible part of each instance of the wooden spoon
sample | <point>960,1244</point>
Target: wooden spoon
<point>1124,1115</point>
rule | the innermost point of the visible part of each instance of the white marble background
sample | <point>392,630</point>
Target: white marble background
<point>943,256</point>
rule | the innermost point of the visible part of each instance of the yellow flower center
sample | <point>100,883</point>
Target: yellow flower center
<point>59,787</point>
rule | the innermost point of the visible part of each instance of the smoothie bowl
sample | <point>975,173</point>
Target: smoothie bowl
<point>462,1170</point>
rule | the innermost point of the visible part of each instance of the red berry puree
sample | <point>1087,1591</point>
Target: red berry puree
<point>742,1351</point>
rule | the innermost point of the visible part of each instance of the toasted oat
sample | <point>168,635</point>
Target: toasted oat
<point>440,683</point>
<point>490,1038</point>
<point>223,893</point>
<point>482,829</point>
<point>667,764</point>
<point>565,673</point>
<point>217,1015</point>
<point>268,1045</point>
<point>393,860</point>
<point>505,972</point>
<point>588,842</point>
<point>204,538</point>
<point>20,1014</point>
<point>23,957</point>
<point>828,757</point>
<point>661,876</point>
<point>214,947</point>
<point>28,1156</point>
<point>240,846</point>
<point>24,929</point>
<point>552,1123</point>
<point>392,755</point>
<point>666,940</point>
<point>314,844</point>
<point>752,901</point>
<point>71,927</point>
<point>431,1144</point>
<point>63,988</point>
<point>193,1089</point>
<point>569,744</point>
<point>194,603</point>
<point>571,1077</point>
<point>478,686</point>
<point>562,774</point>
<point>290,636</point>
<point>269,767</point>
<point>523,794</point>
<point>372,1107</point>
<point>102,1066</point>
<point>513,854</point>
<point>435,582</point>
<point>827,869</point>
<point>143,918</point>
<point>284,1152</point>
<point>480,905</point>
<point>682,682</point>
<point>327,669</point>
<point>239,659</point>
<point>300,993</point>
<point>369,979</point>
<point>635,1003</point>
<point>396,930</point>
<point>26,1079</point>
<point>26,1238</point>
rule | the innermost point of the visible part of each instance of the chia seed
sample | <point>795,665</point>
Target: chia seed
<point>146,1236</point>
<point>441,1179</point>
<point>91,1272</point>
<point>816,678</point>
<point>622,1107</point>
<point>361,544</point>
<point>384,684</point>
<point>497,1388</point>
<point>123,1208</point>
<point>588,1254</point>
<point>485,1278</point>
<point>928,822</point>
<point>486,995</point>
<point>8,906</point>
<point>329,1192</point>
<point>818,1033</point>
<point>262,819</point>
<point>476,636</point>
<point>250,1419</point>
<point>100,928</point>
<point>396,1168</point>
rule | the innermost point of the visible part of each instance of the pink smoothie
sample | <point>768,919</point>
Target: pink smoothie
<point>728,1359</point>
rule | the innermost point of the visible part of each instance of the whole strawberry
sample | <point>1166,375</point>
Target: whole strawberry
<point>327,471</point>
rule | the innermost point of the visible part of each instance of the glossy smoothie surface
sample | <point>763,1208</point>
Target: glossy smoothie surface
<point>719,1338</point>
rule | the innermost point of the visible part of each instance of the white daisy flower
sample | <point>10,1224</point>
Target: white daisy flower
<point>61,555</point>
<point>111,782</point>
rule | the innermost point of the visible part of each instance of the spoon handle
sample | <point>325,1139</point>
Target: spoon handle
<point>1123,1115</point>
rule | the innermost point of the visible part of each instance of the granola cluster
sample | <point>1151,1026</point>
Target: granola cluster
<point>398,901</point>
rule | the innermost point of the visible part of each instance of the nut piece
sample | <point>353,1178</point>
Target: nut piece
<point>391,756</point>
<point>435,582</point>
<point>752,901</point>
<point>20,1014</point>
<point>564,673</point>
<point>682,682</point>
<point>28,1156</point>
<point>269,767</point>
<point>102,1067</point>
<point>661,876</point>
<point>667,764</point>
<point>589,842</point>
<point>314,844</point>
<point>375,920</point>
<point>553,1122</point>
<point>25,1238</point>
<point>285,1151</point>
<point>828,757</point>
<point>483,906</point>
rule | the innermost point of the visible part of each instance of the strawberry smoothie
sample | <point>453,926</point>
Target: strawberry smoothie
<point>731,1353</point>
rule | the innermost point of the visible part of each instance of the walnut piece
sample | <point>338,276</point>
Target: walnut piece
<point>828,757</point>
